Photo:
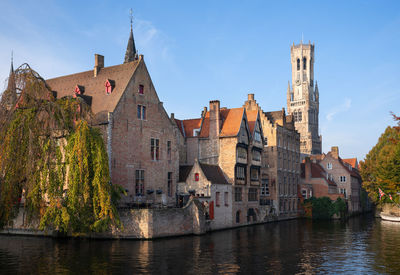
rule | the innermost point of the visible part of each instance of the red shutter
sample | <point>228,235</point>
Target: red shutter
<point>211,210</point>
<point>196,176</point>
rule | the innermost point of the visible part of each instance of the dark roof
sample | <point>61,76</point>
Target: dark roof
<point>213,173</point>
<point>101,103</point>
<point>130,54</point>
<point>184,171</point>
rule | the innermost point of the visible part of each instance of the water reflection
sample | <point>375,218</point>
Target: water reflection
<point>360,245</point>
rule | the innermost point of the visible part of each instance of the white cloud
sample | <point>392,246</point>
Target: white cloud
<point>345,106</point>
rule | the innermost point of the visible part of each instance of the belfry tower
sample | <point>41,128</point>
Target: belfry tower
<point>303,98</point>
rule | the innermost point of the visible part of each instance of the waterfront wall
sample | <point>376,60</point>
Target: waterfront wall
<point>136,223</point>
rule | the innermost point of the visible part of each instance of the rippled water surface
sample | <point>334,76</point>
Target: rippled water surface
<point>362,245</point>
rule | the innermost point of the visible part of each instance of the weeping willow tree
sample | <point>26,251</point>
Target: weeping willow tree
<point>52,159</point>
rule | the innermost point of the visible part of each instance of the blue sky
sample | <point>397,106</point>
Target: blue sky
<point>197,51</point>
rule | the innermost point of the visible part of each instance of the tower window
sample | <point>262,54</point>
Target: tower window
<point>304,63</point>
<point>298,64</point>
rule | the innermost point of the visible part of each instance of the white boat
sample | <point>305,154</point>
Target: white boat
<point>391,218</point>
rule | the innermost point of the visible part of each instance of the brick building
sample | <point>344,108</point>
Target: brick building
<point>347,178</point>
<point>233,140</point>
<point>280,172</point>
<point>142,141</point>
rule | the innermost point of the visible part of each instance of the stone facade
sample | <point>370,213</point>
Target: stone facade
<point>280,172</point>
<point>303,98</point>
<point>224,137</point>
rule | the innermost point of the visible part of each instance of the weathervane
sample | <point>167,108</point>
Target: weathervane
<point>131,16</point>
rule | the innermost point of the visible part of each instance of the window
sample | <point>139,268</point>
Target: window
<point>299,116</point>
<point>169,149</point>
<point>241,153</point>
<point>298,64</point>
<point>170,184</point>
<point>252,194</point>
<point>256,155</point>
<point>265,142</point>
<point>257,136</point>
<point>304,63</point>
<point>343,191</point>
<point>238,193</point>
<point>141,112</point>
<point>216,198</point>
<point>240,173</point>
<point>342,178</point>
<point>196,177</point>
<point>264,186</point>
<point>226,198</point>
<point>155,149</point>
<point>139,185</point>
<point>238,216</point>
<point>141,89</point>
<point>254,172</point>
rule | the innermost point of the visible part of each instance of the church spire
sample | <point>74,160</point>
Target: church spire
<point>10,94</point>
<point>131,53</point>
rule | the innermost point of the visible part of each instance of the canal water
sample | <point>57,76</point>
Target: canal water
<point>361,245</point>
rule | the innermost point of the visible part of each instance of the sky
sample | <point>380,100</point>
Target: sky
<point>197,51</point>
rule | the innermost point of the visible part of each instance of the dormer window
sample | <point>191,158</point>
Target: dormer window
<point>141,90</point>
<point>109,86</point>
<point>196,132</point>
<point>78,90</point>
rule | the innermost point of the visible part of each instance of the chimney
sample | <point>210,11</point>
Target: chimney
<point>307,169</point>
<point>250,97</point>
<point>98,63</point>
<point>172,116</point>
<point>335,152</point>
<point>203,113</point>
<point>215,120</point>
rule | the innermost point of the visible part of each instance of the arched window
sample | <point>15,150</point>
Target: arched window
<point>298,64</point>
<point>304,63</point>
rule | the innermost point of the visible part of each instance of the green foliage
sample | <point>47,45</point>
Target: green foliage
<point>381,167</point>
<point>323,208</point>
<point>52,158</point>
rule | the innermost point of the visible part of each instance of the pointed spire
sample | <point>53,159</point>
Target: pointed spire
<point>131,53</point>
<point>11,92</point>
<point>288,87</point>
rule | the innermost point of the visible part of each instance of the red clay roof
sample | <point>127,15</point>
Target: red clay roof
<point>188,125</point>
<point>231,125</point>
<point>252,118</point>
<point>352,162</point>
<point>95,86</point>
<point>316,172</point>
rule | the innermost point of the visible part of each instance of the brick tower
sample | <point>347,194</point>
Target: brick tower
<point>303,98</point>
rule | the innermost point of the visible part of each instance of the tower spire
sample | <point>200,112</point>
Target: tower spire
<point>130,54</point>
<point>10,95</point>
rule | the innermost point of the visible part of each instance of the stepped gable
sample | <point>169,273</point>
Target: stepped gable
<point>213,173</point>
<point>102,103</point>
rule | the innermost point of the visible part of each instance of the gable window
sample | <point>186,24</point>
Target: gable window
<point>141,112</point>
<point>169,184</point>
<point>256,155</point>
<point>329,166</point>
<point>109,86</point>
<point>169,149</point>
<point>240,173</point>
<point>242,153</point>
<point>252,194</point>
<point>257,136</point>
<point>238,193</point>
<point>139,184</point>
<point>217,198</point>
<point>196,177</point>
<point>342,178</point>
<point>155,149</point>
<point>141,89</point>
